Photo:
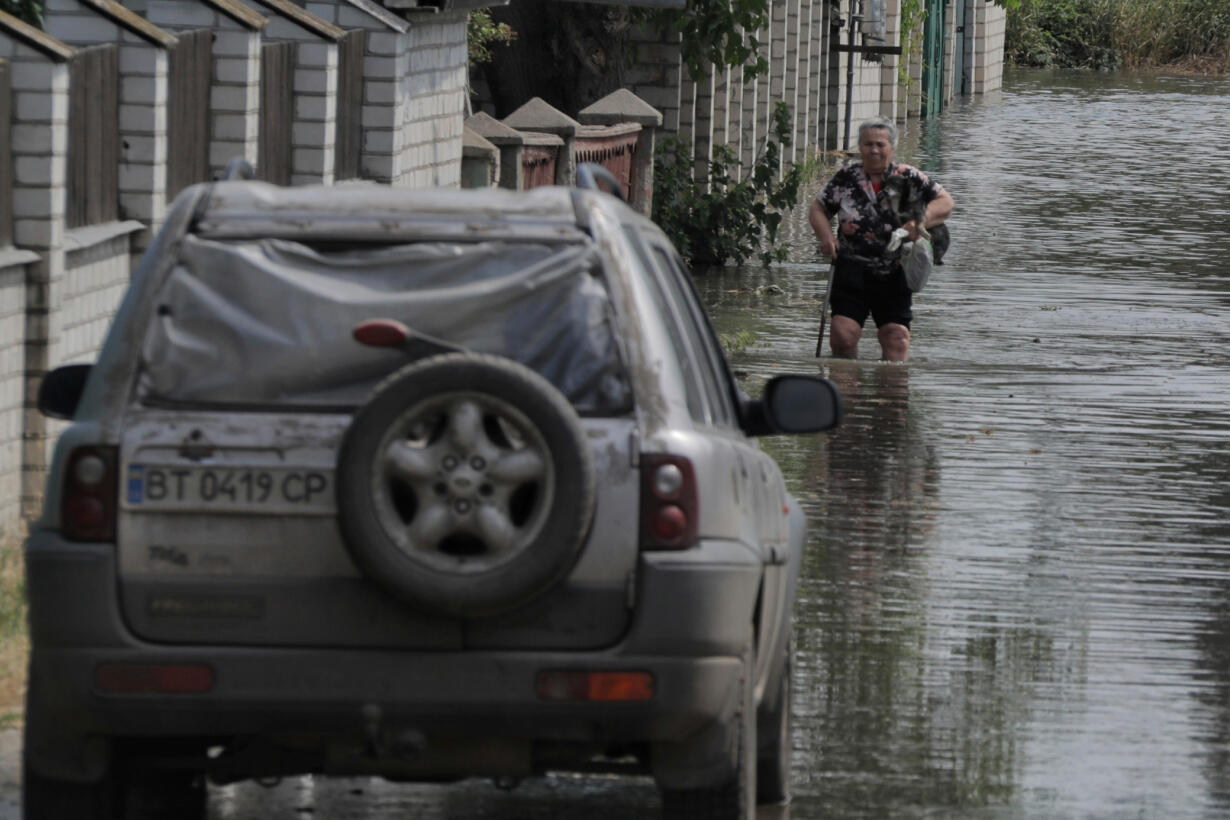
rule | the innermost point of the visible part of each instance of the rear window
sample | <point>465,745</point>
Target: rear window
<point>270,322</point>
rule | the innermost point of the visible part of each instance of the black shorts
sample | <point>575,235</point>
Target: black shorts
<point>857,292</point>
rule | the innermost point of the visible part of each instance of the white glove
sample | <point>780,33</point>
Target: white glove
<point>895,240</point>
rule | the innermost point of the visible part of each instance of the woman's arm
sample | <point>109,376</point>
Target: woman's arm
<point>938,209</point>
<point>935,213</point>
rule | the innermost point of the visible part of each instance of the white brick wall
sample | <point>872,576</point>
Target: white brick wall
<point>434,86</point>
<point>39,146</point>
<point>95,277</point>
<point>12,390</point>
<point>413,93</point>
<point>384,108</point>
<point>27,290</point>
<point>989,24</point>
<point>143,175</point>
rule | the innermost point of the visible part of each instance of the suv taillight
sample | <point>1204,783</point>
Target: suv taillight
<point>88,500</point>
<point>668,503</point>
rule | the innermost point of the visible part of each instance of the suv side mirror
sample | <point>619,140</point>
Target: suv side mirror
<point>61,389</point>
<point>793,404</point>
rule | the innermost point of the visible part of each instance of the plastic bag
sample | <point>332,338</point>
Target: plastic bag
<point>916,259</point>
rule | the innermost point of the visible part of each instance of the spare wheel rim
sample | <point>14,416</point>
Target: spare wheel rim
<point>463,482</point>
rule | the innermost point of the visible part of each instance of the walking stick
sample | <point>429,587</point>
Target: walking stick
<point>824,308</point>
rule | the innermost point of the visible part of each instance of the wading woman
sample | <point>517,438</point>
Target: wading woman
<point>867,279</point>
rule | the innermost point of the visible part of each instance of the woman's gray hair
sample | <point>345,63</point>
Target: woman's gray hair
<point>879,123</point>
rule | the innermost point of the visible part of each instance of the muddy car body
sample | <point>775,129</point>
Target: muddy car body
<point>415,484</point>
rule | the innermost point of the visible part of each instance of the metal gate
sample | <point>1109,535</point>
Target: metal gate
<point>933,60</point>
<point>963,47</point>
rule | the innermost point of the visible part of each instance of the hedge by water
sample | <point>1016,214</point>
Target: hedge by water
<point>1112,34</point>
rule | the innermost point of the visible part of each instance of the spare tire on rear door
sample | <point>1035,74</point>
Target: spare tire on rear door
<point>465,485</point>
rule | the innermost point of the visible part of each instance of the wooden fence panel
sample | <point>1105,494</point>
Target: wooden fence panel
<point>349,104</point>
<point>93,136</point>
<point>273,162</point>
<point>6,159</point>
<point>188,111</point>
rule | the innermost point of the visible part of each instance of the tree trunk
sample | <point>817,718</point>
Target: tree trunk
<point>568,54</point>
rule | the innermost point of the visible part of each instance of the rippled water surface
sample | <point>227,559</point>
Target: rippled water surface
<point>1017,591</point>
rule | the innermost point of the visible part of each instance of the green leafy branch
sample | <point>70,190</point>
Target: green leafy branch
<point>715,33</point>
<point>726,217</point>
<point>31,11</point>
<point>481,33</point>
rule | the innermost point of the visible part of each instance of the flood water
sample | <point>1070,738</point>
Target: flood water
<point>1016,594</point>
<point>1016,600</point>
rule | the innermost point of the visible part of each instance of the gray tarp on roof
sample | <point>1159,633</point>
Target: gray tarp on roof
<point>271,321</point>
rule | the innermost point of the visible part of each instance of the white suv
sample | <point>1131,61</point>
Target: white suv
<point>420,484</point>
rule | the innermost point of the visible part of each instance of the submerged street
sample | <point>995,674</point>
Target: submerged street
<point>1016,596</point>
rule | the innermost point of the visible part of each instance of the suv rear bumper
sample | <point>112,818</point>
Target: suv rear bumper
<point>693,615</point>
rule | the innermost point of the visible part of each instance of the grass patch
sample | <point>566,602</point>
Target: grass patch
<point>737,342</point>
<point>14,639</point>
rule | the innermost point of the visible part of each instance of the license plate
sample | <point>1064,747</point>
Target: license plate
<point>228,489</point>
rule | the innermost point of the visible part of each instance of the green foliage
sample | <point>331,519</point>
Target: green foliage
<point>1062,33</point>
<point>1113,33</point>
<point>912,15</point>
<point>715,33</point>
<point>481,33</point>
<point>30,11</point>
<point>726,217</point>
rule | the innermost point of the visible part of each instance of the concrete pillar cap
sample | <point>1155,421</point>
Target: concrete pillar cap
<point>621,106</point>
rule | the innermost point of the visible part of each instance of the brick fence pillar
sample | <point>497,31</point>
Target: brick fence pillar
<point>234,92</point>
<point>539,116</point>
<point>386,62</point>
<point>314,130</point>
<point>39,142</point>
<point>624,106</point>
<point>510,143</point>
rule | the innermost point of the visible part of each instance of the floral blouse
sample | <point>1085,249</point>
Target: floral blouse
<point>866,218</point>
